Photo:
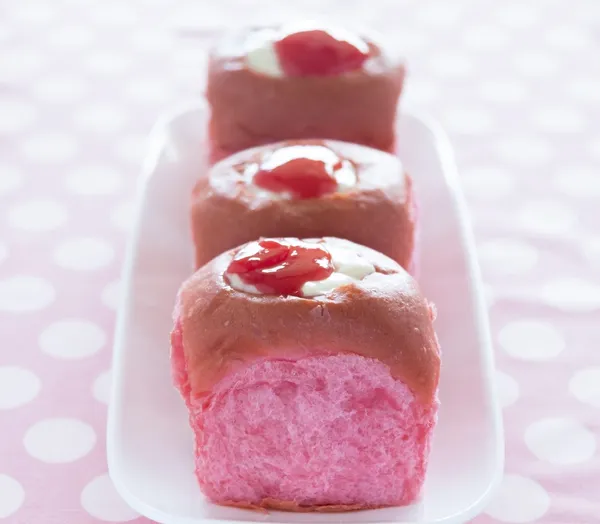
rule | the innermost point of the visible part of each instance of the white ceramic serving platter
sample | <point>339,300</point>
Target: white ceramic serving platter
<point>149,440</point>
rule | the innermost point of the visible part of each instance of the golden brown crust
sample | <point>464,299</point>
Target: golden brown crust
<point>384,316</point>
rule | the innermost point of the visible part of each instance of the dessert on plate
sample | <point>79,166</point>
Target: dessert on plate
<point>301,80</point>
<point>310,370</point>
<point>305,188</point>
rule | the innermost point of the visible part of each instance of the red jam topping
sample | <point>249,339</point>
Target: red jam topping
<point>305,171</point>
<point>320,53</point>
<point>281,267</point>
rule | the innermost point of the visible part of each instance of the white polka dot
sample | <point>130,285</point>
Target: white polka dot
<point>484,37</point>
<point>22,293</point>
<point>568,37</point>
<point>33,13</point>
<point>93,180</point>
<point>148,90</point>
<point>132,148</point>
<point>420,91</point>
<point>153,40</point>
<point>123,216</point>
<point>16,115</point>
<point>111,294</point>
<point>10,178</point>
<point>518,499</point>
<point>101,500</point>
<point>588,12</point>
<point>188,62</point>
<point>160,3</point>
<point>591,249</point>
<point>594,147</point>
<point>508,389</point>
<point>191,16</point>
<point>572,294</point>
<point>59,440</point>
<point>534,63</point>
<point>578,181</point>
<point>59,88</point>
<point>533,340</point>
<point>507,256</point>
<point>547,217</point>
<point>37,215</point>
<point>439,15</point>
<point>114,13</point>
<point>586,89</point>
<point>99,118</point>
<point>101,387</point>
<point>527,150</point>
<point>49,148</point>
<point>12,496</point>
<point>18,386</point>
<point>487,182</point>
<point>406,42</point>
<point>83,254</point>
<point>468,120</point>
<point>502,91</point>
<point>5,33</point>
<point>108,62</point>
<point>72,339</point>
<point>449,64</point>
<point>71,36</point>
<point>559,120</point>
<point>19,64</point>
<point>585,386</point>
<point>560,441</point>
<point>517,15</point>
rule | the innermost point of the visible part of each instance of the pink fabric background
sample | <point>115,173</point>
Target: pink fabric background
<point>517,86</point>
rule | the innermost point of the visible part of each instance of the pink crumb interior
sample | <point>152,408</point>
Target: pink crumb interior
<point>315,431</point>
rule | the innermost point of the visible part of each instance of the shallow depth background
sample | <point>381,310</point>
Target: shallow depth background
<point>517,86</point>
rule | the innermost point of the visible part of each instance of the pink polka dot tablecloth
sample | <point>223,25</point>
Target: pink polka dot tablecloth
<point>515,83</point>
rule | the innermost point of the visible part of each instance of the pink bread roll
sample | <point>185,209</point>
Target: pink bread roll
<point>310,370</point>
<point>301,81</point>
<point>305,188</point>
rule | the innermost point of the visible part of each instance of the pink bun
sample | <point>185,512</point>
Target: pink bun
<point>379,212</point>
<point>250,109</point>
<point>308,404</point>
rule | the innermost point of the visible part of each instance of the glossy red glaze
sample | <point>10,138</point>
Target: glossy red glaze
<point>281,267</point>
<point>305,171</point>
<point>319,53</point>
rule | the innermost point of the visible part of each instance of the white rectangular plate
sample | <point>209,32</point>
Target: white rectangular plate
<point>150,450</point>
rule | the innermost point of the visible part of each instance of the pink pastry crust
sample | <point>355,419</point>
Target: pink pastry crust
<point>379,212</point>
<point>383,316</point>
<point>249,108</point>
